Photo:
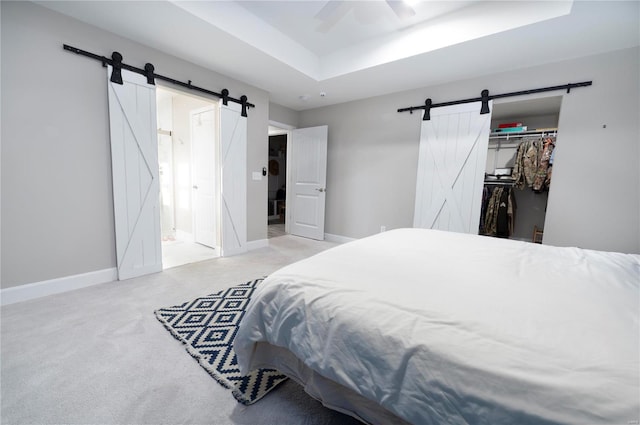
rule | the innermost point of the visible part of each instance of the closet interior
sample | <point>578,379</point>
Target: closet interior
<point>519,168</point>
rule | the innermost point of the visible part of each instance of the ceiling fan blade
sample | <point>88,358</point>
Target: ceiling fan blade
<point>401,9</point>
<point>328,10</point>
<point>330,14</point>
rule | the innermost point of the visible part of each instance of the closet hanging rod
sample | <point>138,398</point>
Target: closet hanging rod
<point>485,98</point>
<point>148,72</point>
<point>522,134</point>
<point>501,183</point>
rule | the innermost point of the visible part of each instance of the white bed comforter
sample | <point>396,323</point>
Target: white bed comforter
<point>446,328</point>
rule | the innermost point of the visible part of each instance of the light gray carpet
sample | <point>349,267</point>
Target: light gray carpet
<point>99,356</point>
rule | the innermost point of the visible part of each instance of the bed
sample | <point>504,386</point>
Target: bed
<point>416,326</point>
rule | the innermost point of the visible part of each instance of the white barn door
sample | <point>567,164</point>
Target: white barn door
<point>451,166</point>
<point>233,165</point>
<point>306,199</point>
<point>134,160</point>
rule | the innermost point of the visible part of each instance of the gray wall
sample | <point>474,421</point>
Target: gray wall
<point>57,211</point>
<point>594,200</point>
<point>283,115</point>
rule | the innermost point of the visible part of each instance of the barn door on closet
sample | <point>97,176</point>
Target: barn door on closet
<point>134,161</point>
<point>451,166</point>
<point>233,164</point>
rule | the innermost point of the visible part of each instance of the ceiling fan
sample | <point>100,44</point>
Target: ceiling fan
<point>334,10</point>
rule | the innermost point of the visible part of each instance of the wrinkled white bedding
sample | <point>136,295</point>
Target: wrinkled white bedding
<point>447,328</point>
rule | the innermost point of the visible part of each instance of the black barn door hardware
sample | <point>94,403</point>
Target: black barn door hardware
<point>485,98</point>
<point>149,73</point>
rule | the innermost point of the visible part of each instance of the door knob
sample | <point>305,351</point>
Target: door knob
<point>322,189</point>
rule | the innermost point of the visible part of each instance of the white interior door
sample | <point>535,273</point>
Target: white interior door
<point>233,168</point>
<point>204,179</point>
<point>451,165</point>
<point>308,180</point>
<point>134,159</point>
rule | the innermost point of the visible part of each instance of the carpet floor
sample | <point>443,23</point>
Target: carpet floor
<point>99,356</point>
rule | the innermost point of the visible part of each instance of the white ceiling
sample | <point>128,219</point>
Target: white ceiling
<point>349,50</point>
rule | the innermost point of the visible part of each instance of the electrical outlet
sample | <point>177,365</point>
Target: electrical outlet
<point>383,229</point>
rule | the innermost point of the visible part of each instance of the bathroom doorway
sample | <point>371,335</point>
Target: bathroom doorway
<point>187,131</point>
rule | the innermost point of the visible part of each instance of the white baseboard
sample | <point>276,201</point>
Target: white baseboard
<point>30,291</point>
<point>337,238</point>
<point>260,243</point>
<point>228,252</point>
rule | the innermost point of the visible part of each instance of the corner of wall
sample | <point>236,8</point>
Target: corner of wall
<point>283,115</point>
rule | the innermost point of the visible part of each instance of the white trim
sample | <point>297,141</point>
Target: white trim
<point>287,179</point>
<point>30,291</point>
<point>284,128</point>
<point>260,243</point>
<point>337,238</point>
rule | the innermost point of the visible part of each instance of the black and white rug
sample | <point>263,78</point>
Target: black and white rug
<point>208,326</point>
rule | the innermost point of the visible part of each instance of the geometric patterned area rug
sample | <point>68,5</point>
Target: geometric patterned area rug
<point>208,326</point>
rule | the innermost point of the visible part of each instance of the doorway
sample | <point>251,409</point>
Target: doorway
<point>187,131</point>
<point>277,181</point>
<point>134,130</point>
<point>302,212</point>
<point>538,120</point>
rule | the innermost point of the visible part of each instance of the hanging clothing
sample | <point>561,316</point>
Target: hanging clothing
<point>532,163</point>
<point>543,174</point>
<point>499,219</point>
<point>502,215</point>
<point>489,222</point>
<point>526,163</point>
<point>486,195</point>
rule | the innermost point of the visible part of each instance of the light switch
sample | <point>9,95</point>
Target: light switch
<point>257,175</point>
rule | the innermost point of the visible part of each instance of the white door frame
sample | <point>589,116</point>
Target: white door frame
<point>239,170</point>
<point>286,129</point>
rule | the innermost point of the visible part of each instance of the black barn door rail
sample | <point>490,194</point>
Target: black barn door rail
<point>485,98</point>
<point>149,73</point>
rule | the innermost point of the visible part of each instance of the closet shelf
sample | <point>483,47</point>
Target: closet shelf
<point>500,182</point>
<point>501,179</point>
<point>520,134</point>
